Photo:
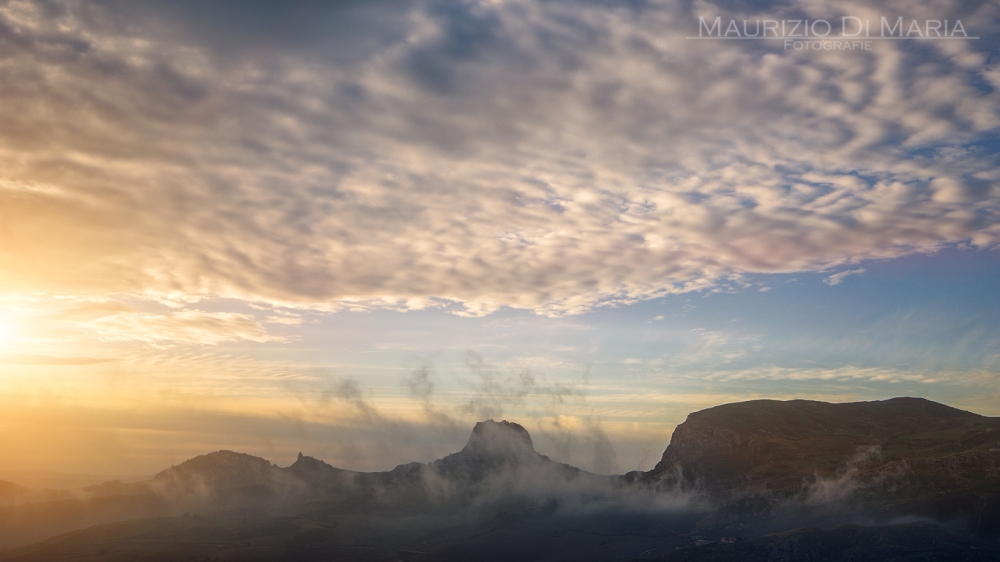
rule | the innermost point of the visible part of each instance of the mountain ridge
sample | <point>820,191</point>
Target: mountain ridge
<point>742,468</point>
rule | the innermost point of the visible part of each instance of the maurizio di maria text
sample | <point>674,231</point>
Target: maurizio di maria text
<point>850,27</point>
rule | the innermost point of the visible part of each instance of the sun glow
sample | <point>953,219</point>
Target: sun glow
<point>7,332</point>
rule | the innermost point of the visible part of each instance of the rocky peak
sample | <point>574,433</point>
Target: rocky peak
<point>492,448</point>
<point>308,467</point>
<point>502,439</point>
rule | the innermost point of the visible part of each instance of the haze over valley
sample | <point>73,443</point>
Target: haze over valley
<point>828,480</point>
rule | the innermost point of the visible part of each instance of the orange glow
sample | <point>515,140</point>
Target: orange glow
<point>7,332</point>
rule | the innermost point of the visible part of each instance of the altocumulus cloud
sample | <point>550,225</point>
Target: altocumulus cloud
<point>552,156</point>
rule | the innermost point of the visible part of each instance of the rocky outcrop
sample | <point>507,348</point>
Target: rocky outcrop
<point>765,460</point>
<point>779,446</point>
<point>495,448</point>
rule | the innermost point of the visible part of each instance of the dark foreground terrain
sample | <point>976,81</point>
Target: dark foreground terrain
<point>902,479</point>
<point>391,538</point>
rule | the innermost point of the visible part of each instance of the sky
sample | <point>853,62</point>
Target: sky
<point>353,229</point>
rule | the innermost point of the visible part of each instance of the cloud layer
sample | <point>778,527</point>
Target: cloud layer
<point>551,156</point>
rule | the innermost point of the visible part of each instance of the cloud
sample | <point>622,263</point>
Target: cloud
<point>837,278</point>
<point>549,156</point>
<point>495,390</point>
<point>843,373</point>
<point>187,326</point>
<point>848,480</point>
<point>420,383</point>
<point>25,359</point>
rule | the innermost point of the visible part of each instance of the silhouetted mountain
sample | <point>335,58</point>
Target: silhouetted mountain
<point>223,475</point>
<point>319,479</point>
<point>904,456</point>
<point>495,447</point>
<point>749,469</point>
<point>498,462</point>
<point>11,493</point>
<point>14,494</point>
<point>498,442</point>
<point>498,465</point>
<point>779,443</point>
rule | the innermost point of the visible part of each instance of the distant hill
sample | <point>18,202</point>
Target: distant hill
<point>224,476</point>
<point>11,493</point>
